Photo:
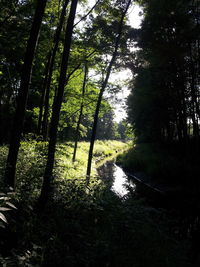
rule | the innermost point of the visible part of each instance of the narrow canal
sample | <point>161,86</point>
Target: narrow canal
<point>185,220</point>
<point>116,178</point>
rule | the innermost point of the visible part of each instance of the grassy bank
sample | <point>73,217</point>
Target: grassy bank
<point>32,160</point>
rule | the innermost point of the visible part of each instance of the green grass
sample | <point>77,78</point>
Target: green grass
<point>102,151</point>
<point>32,160</point>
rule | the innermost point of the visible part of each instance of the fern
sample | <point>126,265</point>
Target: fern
<point>5,205</point>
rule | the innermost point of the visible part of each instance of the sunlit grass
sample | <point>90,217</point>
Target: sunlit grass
<point>32,159</point>
<point>102,151</point>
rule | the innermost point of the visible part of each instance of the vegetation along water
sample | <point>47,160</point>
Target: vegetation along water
<point>79,185</point>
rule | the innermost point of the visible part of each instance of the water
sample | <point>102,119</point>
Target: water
<point>116,178</point>
<point>121,185</point>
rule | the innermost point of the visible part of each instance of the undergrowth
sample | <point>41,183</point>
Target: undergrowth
<point>32,159</point>
<point>82,226</point>
<point>93,227</point>
<point>165,163</point>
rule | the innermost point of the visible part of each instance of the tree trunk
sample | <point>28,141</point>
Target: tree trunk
<point>50,71</point>
<point>23,94</point>
<point>81,113</point>
<point>94,128</point>
<point>43,93</point>
<point>47,186</point>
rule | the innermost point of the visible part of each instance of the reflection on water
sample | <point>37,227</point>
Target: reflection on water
<point>121,184</point>
<point>115,177</point>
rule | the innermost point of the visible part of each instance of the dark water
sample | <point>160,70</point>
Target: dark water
<point>183,225</point>
<point>116,178</point>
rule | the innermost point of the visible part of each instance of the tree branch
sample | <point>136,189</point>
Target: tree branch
<point>84,17</point>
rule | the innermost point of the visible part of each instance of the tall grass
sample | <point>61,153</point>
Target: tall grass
<point>32,160</point>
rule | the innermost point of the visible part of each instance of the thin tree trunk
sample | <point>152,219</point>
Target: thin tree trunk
<point>94,128</point>
<point>81,113</point>
<point>47,186</point>
<point>43,94</point>
<point>23,94</point>
<point>50,71</point>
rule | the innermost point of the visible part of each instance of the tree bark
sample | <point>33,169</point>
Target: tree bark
<point>47,180</point>
<point>94,128</point>
<point>41,107</point>
<point>81,113</point>
<point>50,71</point>
<point>23,94</point>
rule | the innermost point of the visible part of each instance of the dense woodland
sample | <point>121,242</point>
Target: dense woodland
<point>87,59</point>
<point>56,117</point>
<point>164,105</point>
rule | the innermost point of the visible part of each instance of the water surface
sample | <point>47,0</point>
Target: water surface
<point>116,178</point>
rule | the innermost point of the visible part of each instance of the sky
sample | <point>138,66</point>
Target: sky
<point>135,21</point>
<point>120,111</point>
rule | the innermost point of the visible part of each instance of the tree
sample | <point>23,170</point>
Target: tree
<point>14,32</point>
<point>23,93</point>
<point>47,180</point>
<point>48,76</point>
<point>123,129</point>
<point>81,112</point>
<point>107,128</point>
<point>163,105</point>
<point>103,87</point>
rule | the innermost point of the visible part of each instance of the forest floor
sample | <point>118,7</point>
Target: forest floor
<point>84,226</point>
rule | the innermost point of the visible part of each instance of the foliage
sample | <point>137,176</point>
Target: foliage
<point>71,108</point>
<point>32,159</point>
<point>169,163</point>
<point>163,105</point>
<point>94,227</point>
<point>102,150</point>
<point>91,226</point>
<point>84,226</point>
<point>125,130</point>
<point>5,206</point>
